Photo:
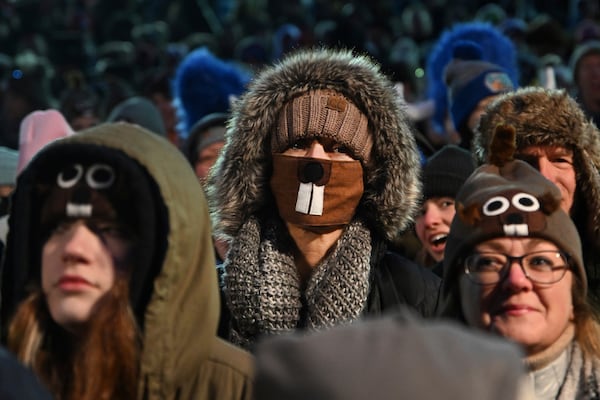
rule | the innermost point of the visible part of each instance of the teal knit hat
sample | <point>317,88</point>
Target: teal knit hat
<point>8,166</point>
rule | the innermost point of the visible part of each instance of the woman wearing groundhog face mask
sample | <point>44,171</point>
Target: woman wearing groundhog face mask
<point>513,267</point>
<point>319,173</point>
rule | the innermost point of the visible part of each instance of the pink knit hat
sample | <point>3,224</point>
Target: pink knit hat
<point>38,129</point>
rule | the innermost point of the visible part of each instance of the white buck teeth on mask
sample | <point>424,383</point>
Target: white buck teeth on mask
<point>310,199</point>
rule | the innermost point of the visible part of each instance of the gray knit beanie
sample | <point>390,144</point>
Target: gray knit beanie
<point>140,111</point>
<point>582,50</point>
<point>8,166</point>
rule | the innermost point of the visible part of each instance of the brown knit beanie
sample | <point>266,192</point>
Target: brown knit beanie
<point>325,114</point>
<point>506,198</point>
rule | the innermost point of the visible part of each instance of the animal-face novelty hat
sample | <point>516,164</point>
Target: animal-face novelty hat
<point>506,198</point>
<point>85,190</point>
<point>77,178</point>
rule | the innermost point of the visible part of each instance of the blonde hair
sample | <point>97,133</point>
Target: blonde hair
<point>586,319</point>
<point>99,364</point>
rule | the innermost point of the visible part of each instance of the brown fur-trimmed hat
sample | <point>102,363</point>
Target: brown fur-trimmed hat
<point>550,117</point>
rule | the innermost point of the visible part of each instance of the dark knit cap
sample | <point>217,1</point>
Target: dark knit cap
<point>139,110</point>
<point>446,171</point>
<point>208,130</point>
<point>85,190</point>
<point>582,50</point>
<point>470,79</point>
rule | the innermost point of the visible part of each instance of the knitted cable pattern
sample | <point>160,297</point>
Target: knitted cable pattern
<point>262,286</point>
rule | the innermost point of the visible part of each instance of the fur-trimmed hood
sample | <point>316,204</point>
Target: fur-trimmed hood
<point>239,182</point>
<point>550,117</point>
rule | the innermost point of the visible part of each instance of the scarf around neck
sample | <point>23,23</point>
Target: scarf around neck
<point>564,372</point>
<point>263,291</point>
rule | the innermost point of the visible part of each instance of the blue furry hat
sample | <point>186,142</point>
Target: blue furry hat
<point>496,48</point>
<point>204,84</point>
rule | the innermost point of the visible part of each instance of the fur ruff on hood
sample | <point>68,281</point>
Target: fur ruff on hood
<point>239,182</point>
<point>550,117</point>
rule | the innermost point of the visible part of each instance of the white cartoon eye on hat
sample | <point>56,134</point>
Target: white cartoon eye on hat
<point>78,190</point>
<point>514,212</point>
<point>96,176</point>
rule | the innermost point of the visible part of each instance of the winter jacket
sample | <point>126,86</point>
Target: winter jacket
<point>173,288</point>
<point>399,282</point>
<point>18,382</point>
<point>396,283</point>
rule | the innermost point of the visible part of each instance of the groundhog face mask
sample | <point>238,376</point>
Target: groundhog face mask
<point>315,193</point>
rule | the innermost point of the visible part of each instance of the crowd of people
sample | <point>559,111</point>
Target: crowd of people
<point>239,200</point>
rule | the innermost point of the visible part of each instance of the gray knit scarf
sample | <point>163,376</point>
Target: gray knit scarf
<point>262,286</point>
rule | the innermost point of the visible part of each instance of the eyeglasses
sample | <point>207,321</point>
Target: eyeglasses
<point>544,267</point>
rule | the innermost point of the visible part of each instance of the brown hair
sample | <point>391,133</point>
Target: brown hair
<point>101,363</point>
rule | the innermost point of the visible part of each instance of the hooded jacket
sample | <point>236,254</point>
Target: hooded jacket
<point>550,117</point>
<point>239,184</point>
<point>173,289</point>
<point>243,208</point>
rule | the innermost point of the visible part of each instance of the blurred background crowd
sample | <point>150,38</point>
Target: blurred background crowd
<point>84,57</point>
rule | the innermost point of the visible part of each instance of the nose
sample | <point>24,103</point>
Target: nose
<point>316,150</point>
<point>431,217</point>
<point>515,279</point>
<point>75,241</point>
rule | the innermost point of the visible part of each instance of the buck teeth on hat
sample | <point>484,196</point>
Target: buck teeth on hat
<point>78,210</point>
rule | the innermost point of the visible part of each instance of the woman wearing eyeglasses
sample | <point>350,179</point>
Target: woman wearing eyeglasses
<point>513,267</point>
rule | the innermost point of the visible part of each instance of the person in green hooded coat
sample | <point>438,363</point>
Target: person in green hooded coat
<point>109,286</point>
